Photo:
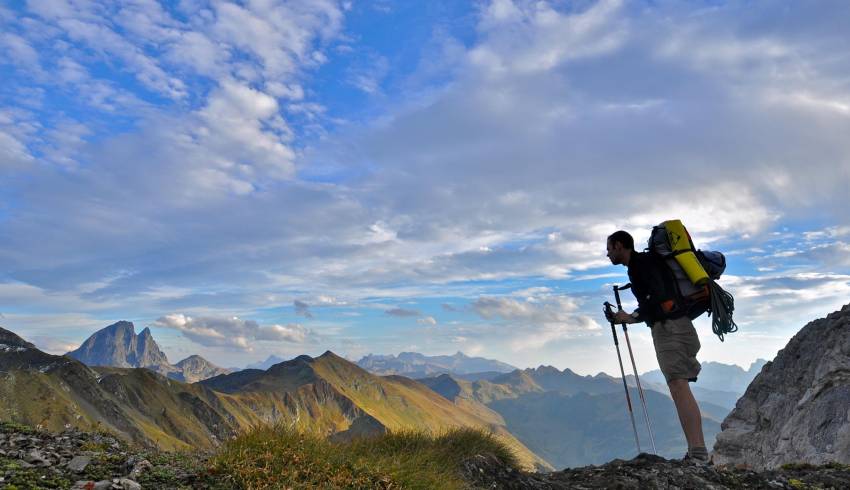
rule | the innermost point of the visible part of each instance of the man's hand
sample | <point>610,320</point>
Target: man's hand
<point>623,317</point>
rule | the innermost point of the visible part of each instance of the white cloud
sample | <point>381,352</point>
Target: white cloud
<point>52,345</point>
<point>13,153</point>
<point>530,151</point>
<point>368,78</point>
<point>232,332</point>
<point>536,321</point>
<point>528,37</point>
<point>18,50</point>
<point>532,310</point>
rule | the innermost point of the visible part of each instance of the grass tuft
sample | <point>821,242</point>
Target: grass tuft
<point>279,457</point>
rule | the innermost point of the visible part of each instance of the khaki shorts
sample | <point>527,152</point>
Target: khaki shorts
<point>676,346</point>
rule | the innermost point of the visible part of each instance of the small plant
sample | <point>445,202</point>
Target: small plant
<point>95,447</point>
<point>796,483</point>
<point>16,427</point>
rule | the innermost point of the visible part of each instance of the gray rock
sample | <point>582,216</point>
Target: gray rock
<point>127,484</point>
<point>78,463</point>
<point>139,468</point>
<point>796,409</point>
<point>35,458</point>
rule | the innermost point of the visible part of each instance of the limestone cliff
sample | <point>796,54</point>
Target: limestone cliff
<point>797,410</point>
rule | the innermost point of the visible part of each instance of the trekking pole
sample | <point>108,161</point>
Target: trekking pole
<point>634,366</point>
<point>610,315</point>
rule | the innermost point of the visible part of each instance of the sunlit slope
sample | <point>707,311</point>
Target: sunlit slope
<point>395,402</point>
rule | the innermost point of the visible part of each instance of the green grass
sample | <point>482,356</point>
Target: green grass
<point>9,426</point>
<point>277,457</point>
<point>808,466</point>
<point>29,478</point>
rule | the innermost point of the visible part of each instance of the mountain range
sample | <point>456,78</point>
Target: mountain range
<point>415,365</point>
<point>550,416</point>
<point>118,346</point>
<point>327,395</point>
<point>572,420</point>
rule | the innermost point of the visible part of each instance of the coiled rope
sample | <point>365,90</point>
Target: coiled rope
<point>720,311</point>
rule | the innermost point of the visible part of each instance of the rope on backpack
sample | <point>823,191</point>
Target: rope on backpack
<point>720,311</point>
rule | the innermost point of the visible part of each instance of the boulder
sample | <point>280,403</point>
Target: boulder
<point>797,410</point>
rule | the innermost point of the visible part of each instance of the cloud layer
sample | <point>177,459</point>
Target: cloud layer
<point>196,158</point>
<point>232,331</point>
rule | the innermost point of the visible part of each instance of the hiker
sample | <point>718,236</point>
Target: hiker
<point>673,334</point>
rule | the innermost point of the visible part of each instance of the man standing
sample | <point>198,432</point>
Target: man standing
<point>673,334</point>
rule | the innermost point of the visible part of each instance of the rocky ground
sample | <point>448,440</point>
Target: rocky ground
<point>653,472</point>
<point>32,459</point>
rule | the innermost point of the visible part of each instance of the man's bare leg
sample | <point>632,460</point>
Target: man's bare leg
<point>689,415</point>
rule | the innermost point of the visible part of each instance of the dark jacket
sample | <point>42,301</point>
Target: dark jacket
<point>652,286</point>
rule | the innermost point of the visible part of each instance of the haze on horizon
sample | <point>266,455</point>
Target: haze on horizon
<point>289,177</point>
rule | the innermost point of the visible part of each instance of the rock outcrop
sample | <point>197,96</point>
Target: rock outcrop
<point>797,410</point>
<point>118,346</point>
<point>647,471</point>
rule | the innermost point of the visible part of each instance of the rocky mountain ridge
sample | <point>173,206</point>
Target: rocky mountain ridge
<point>117,345</point>
<point>796,409</point>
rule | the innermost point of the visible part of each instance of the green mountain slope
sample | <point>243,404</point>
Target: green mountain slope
<point>391,402</point>
<point>327,395</point>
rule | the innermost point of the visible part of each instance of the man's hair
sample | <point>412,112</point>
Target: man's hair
<point>624,238</point>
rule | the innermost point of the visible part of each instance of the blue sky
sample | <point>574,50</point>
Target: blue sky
<point>286,177</point>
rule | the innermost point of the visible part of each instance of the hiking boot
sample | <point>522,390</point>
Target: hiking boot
<point>697,456</point>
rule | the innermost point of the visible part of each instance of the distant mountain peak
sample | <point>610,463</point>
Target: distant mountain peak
<point>194,358</point>
<point>269,362</point>
<point>118,345</point>
<point>416,365</point>
<point>195,368</point>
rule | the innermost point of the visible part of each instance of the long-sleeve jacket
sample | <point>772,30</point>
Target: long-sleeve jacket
<point>652,287</point>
